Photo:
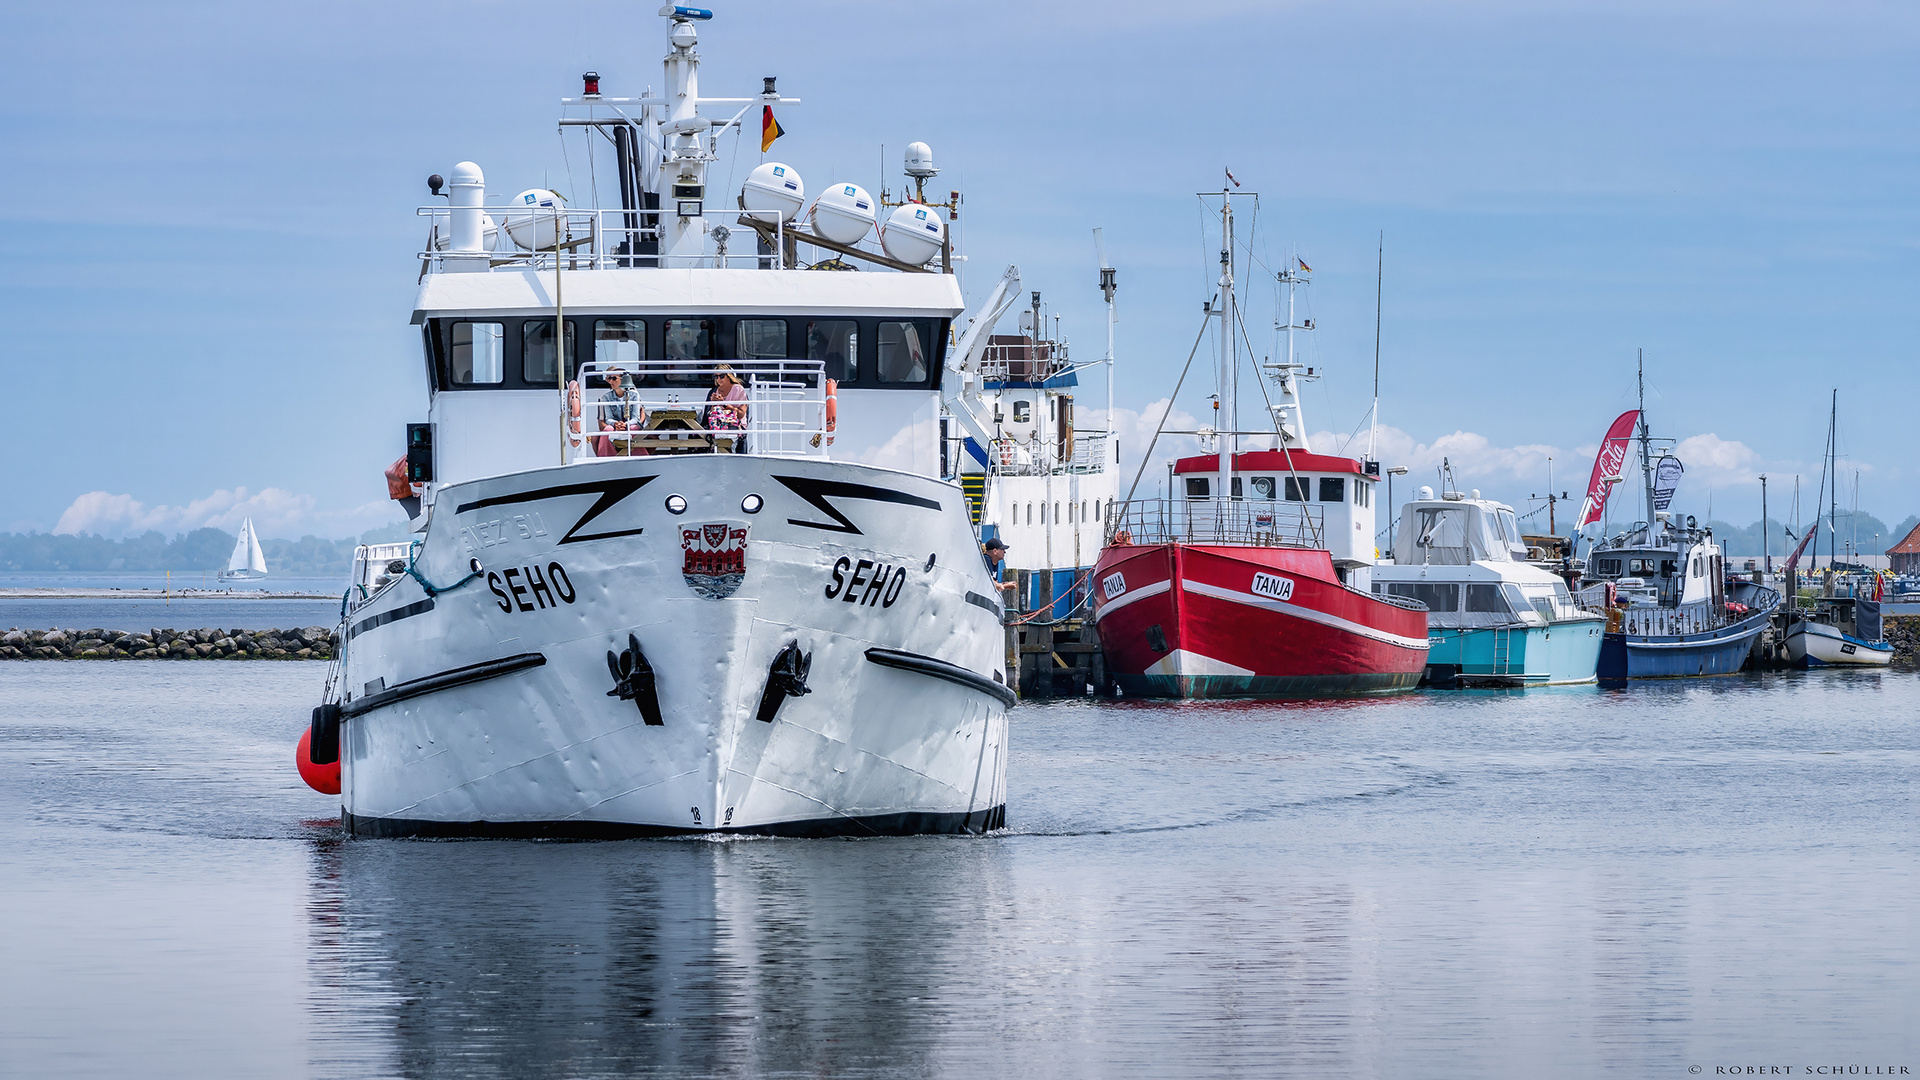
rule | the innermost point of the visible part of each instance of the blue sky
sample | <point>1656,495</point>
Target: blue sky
<point>209,221</point>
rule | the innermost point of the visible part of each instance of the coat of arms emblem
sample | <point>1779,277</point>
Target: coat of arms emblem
<point>713,558</point>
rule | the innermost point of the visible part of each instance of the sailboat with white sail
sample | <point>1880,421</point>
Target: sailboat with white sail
<point>248,562</point>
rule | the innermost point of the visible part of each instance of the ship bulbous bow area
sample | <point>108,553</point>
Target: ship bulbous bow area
<point>639,656</point>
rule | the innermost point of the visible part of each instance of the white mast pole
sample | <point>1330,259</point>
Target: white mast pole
<point>1228,441</point>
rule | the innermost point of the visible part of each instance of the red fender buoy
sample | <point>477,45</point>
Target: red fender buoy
<point>324,779</point>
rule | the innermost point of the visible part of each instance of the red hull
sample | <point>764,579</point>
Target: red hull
<point>1202,620</point>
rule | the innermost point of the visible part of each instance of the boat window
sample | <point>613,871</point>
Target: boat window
<point>1696,566</point>
<point>1486,598</point>
<point>1510,528</point>
<point>1610,567</point>
<point>1639,566</point>
<point>835,342</point>
<point>902,357</point>
<point>1669,568</point>
<point>476,356</point>
<point>1196,487</point>
<point>1263,487</point>
<point>1440,527</point>
<point>1333,489</point>
<point>1437,596</point>
<point>1056,513</point>
<point>1236,488</point>
<point>1029,513</point>
<point>1083,511</point>
<point>1297,488</point>
<point>1043,513</point>
<point>1022,411</point>
<point>687,340</point>
<point>536,352</point>
<point>1096,512</point>
<point>619,341</point>
<point>1517,600</point>
<point>760,339</point>
<point>1360,493</point>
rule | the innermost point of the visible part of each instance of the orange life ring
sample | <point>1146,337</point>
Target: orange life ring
<point>833,408</point>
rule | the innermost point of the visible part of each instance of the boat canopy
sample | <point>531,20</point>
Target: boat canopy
<point>1454,533</point>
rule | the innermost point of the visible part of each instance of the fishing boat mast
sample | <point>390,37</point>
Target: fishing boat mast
<point>1228,406</point>
<point>1646,452</point>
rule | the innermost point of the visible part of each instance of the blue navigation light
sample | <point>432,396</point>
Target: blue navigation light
<point>680,11</point>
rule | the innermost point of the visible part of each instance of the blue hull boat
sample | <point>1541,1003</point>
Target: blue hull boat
<point>1716,650</point>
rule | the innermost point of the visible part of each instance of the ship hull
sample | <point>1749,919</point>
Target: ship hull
<point>1559,654</point>
<point>1223,621</point>
<point>1680,656</point>
<point>618,669</point>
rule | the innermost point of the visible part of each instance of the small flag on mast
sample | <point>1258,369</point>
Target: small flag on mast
<point>770,129</point>
<point>1229,173</point>
<point>1303,264</point>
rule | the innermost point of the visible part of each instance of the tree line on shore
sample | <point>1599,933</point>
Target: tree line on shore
<point>201,549</point>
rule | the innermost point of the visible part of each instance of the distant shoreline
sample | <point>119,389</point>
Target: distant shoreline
<point>155,594</point>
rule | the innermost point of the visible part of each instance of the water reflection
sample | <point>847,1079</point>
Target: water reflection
<point>684,958</point>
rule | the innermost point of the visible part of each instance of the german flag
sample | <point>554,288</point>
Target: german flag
<point>1303,264</point>
<point>770,129</point>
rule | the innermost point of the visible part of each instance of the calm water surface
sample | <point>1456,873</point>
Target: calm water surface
<point>1556,883</point>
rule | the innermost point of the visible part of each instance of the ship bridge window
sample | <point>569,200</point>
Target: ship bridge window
<point>1362,493</point>
<point>1263,488</point>
<point>1610,567</point>
<point>1023,412</point>
<point>1669,568</point>
<point>1236,487</point>
<point>476,353</point>
<point>1297,489</point>
<point>836,343</point>
<point>903,358</point>
<point>1333,489</point>
<point>689,340</point>
<point>909,350</point>
<point>760,339</point>
<point>619,341</point>
<point>536,352</point>
<point>1196,487</point>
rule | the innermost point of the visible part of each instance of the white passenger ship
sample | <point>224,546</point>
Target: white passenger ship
<point>763,614</point>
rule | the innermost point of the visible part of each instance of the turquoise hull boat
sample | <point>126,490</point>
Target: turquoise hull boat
<point>1558,653</point>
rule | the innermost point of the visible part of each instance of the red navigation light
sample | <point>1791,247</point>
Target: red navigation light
<point>592,81</point>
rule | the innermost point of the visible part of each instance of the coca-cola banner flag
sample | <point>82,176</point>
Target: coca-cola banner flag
<point>1665,477</point>
<point>1607,465</point>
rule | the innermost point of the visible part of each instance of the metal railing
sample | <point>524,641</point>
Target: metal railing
<point>1216,520</point>
<point>374,565</point>
<point>1033,362</point>
<point>783,414</point>
<point>1039,455</point>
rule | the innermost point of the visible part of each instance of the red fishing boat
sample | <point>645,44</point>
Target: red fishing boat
<point>1254,578</point>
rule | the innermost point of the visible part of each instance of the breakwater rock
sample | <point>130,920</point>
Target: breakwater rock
<point>1903,633</point>
<point>309,643</point>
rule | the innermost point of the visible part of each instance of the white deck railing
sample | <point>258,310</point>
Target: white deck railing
<point>785,410</point>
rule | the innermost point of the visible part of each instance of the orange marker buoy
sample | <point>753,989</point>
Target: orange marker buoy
<point>324,779</point>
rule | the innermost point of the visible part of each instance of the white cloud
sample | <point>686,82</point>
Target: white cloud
<point>276,512</point>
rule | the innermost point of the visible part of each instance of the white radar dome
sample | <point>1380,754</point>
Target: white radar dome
<point>843,213</point>
<point>920,160</point>
<point>774,192</point>
<point>913,234</point>
<point>531,221</point>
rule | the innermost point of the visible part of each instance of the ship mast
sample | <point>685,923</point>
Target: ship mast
<point>1646,453</point>
<point>1228,405</point>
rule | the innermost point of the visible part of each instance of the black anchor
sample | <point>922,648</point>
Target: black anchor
<point>633,680</point>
